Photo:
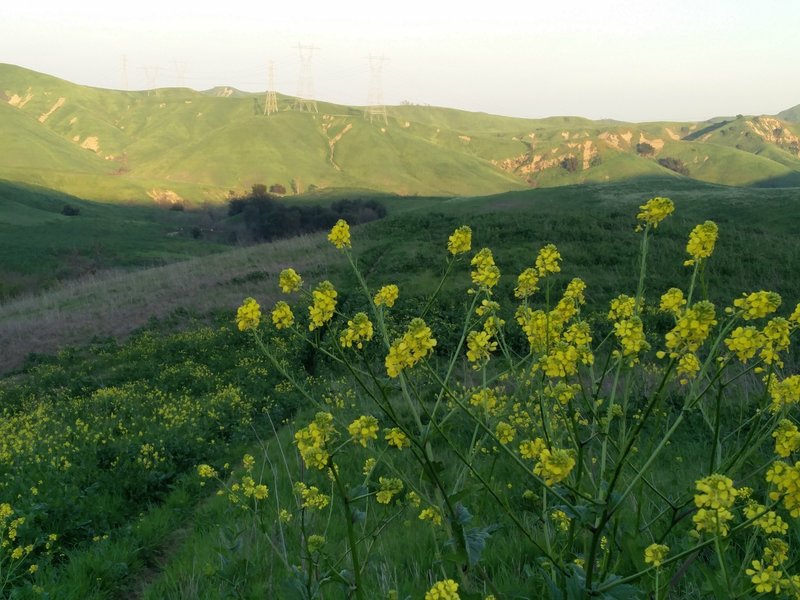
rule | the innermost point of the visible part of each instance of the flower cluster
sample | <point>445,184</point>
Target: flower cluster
<point>358,331</point>
<point>654,211</point>
<point>282,316</point>
<point>290,281</point>
<point>321,311</point>
<point>443,590</point>
<point>395,437</point>
<point>389,488</point>
<point>248,316</point>
<point>554,465</point>
<point>312,440</point>
<point>630,334</point>
<point>548,260</point>
<point>310,496</point>
<point>416,344</point>
<point>480,345</point>
<point>655,554</point>
<point>701,243</point>
<point>714,499</point>
<point>340,235</point>
<point>460,241</point>
<point>387,296</point>
<point>527,283</point>
<point>756,305</point>
<point>672,301</point>
<point>363,429</point>
<point>485,274</point>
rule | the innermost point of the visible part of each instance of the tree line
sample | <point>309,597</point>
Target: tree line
<point>269,218</point>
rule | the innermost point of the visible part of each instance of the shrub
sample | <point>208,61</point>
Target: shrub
<point>674,164</point>
<point>645,149</point>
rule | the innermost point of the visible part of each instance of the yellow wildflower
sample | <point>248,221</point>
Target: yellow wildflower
<point>321,311</point>
<point>431,514</point>
<point>715,491</point>
<point>389,487</point>
<point>290,281</point>
<point>369,466</point>
<point>744,342</point>
<point>548,260</point>
<point>787,438</point>
<point>282,316</point>
<point>395,437</point>
<point>672,301</point>
<point>560,518</point>
<point>206,471</point>
<point>757,305</point>
<point>479,347</point>
<point>531,449</point>
<point>655,554</point>
<point>248,316</point>
<point>311,496</point>
<point>767,520</point>
<point>340,235</point>
<point>486,274</point>
<point>460,241</point>
<point>784,393</point>
<point>416,344</point>
<point>554,465</point>
<point>527,283</point>
<point>387,295</point>
<point>358,331</point>
<point>443,590</point>
<point>505,433</point>
<point>622,307</point>
<point>701,242</point>
<point>631,337</point>
<point>363,429</point>
<point>654,211</point>
<point>765,578</point>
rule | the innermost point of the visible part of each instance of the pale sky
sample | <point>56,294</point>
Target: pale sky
<point>633,60</point>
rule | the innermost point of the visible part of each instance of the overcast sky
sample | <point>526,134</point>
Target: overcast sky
<point>632,60</point>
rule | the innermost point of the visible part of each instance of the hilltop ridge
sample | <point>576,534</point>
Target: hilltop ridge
<point>159,145</point>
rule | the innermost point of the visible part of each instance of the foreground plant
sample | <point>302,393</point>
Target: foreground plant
<point>589,431</point>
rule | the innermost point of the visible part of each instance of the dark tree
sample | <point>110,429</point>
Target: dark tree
<point>674,164</point>
<point>570,164</point>
<point>645,149</point>
<point>70,211</point>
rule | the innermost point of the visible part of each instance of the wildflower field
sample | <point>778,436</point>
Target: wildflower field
<point>487,412</point>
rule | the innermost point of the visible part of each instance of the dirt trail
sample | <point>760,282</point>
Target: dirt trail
<point>59,103</point>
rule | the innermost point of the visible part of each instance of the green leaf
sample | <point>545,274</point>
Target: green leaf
<point>475,539</point>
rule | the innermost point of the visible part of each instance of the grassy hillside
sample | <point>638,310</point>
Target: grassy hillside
<point>167,143</point>
<point>42,246</point>
<point>138,414</point>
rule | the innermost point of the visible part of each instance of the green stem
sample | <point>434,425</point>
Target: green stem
<point>351,538</point>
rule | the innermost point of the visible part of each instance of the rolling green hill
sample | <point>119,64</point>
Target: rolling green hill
<point>165,144</point>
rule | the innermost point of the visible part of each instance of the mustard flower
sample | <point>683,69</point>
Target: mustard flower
<point>312,440</point>
<point>282,316</point>
<point>358,331</point>
<point>784,393</point>
<point>795,316</point>
<point>688,367</point>
<point>531,449</point>
<point>369,466</point>
<point>431,514</point>
<point>654,211</point>
<point>413,498</point>
<point>560,361</point>
<point>715,491</point>
<point>672,301</point>
<point>776,340</point>
<point>786,480</point>
<point>485,399</point>
<point>206,471</point>
<point>340,235</point>
<point>756,305</point>
<point>655,554</point>
<point>744,342</point>
<point>387,295</point>
<point>715,521</point>
<point>485,275</point>
<point>248,462</point>
<point>311,496</point>
<point>765,578</point>
<point>622,307</point>
<point>395,437</point>
<point>363,429</point>
<point>389,488</point>
<point>315,542</point>
<point>248,316</point>
<point>415,345</point>
<point>290,281</point>
<point>691,330</point>
<point>548,261</point>
<point>776,551</point>
<point>479,348</point>
<point>560,518</point>
<point>787,438</point>
<point>443,590</point>
<point>460,241</point>
<point>554,465</point>
<point>701,242</point>
<point>321,311</point>
<point>767,520</point>
<point>284,516</point>
<point>631,337</point>
<point>527,283</point>
<point>505,433</point>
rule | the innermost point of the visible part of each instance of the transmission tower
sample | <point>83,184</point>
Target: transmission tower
<point>305,83</point>
<point>124,71</point>
<point>375,107</point>
<point>151,75</point>
<point>180,73</point>
<point>271,101</point>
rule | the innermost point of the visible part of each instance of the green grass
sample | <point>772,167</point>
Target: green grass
<point>185,543</point>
